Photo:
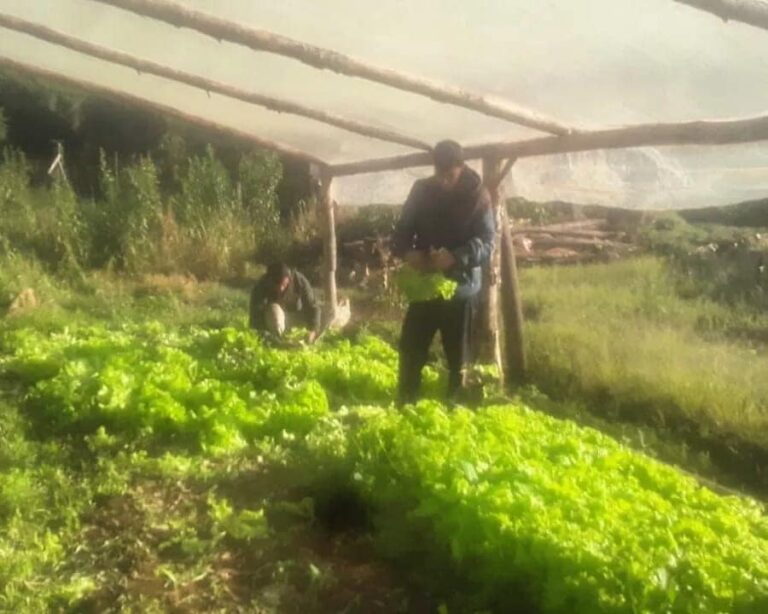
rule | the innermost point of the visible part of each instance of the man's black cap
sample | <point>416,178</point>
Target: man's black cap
<point>277,271</point>
<point>447,155</point>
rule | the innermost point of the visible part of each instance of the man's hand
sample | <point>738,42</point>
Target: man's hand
<point>442,259</point>
<point>418,260</point>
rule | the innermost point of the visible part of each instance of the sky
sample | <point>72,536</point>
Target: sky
<point>591,63</point>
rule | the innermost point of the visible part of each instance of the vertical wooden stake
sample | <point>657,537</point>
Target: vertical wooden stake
<point>512,308</point>
<point>328,221</point>
<point>489,342</point>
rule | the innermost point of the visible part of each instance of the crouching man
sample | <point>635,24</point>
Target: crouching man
<point>283,298</point>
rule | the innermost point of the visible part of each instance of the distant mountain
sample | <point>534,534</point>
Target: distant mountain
<point>753,214</point>
<point>632,178</point>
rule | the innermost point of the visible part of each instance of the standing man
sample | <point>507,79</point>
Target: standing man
<point>446,225</point>
<point>280,294</point>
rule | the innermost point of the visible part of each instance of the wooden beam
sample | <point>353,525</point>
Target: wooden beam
<point>752,12</point>
<point>135,101</point>
<point>149,67</point>
<point>701,132</point>
<point>318,57</point>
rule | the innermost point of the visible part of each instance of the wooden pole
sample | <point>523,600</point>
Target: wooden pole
<point>500,279</point>
<point>702,132</point>
<point>143,103</point>
<point>328,221</point>
<point>318,57</point>
<point>511,308</point>
<point>488,338</point>
<point>752,12</point>
<point>149,67</point>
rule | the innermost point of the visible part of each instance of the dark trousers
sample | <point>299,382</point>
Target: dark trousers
<point>422,320</point>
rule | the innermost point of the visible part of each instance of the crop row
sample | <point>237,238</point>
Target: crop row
<point>531,511</point>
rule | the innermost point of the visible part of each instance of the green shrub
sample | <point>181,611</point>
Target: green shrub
<point>126,224</point>
<point>211,227</point>
<point>45,223</point>
<point>258,177</point>
<point>17,218</point>
<point>220,223</point>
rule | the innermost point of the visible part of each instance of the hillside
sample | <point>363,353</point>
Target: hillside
<point>752,213</point>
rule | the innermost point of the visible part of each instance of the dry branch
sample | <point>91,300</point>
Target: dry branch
<point>700,132</point>
<point>318,57</point>
<point>135,101</point>
<point>752,12</point>
<point>534,231</point>
<point>146,66</point>
<point>576,243</point>
<point>588,224</point>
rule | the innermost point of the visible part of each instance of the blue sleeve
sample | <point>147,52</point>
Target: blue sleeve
<point>405,229</point>
<point>477,250</point>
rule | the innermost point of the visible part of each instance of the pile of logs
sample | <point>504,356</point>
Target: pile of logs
<point>590,240</point>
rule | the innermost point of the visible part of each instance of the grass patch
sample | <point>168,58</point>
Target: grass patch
<point>621,336</point>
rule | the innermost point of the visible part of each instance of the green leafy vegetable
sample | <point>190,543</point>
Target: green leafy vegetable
<point>527,508</point>
<point>417,286</point>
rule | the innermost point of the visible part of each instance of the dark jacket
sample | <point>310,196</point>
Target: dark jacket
<point>460,220</point>
<point>298,298</point>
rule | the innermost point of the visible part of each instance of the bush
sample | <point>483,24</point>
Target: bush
<point>17,219</point>
<point>206,192</point>
<point>259,176</point>
<point>222,223</point>
<point>369,221</point>
<point>210,227</point>
<point>721,262</point>
<point>126,227</point>
<point>45,223</point>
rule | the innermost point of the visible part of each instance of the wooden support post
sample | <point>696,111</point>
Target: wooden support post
<point>511,308</point>
<point>488,341</point>
<point>500,279</point>
<point>328,221</point>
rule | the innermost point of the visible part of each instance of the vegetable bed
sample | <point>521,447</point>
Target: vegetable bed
<point>529,510</point>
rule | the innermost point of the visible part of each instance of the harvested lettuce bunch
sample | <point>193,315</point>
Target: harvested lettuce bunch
<point>417,286</point>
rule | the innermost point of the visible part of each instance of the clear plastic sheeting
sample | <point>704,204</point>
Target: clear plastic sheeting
<point>647,178</point>
<point>587,63</point>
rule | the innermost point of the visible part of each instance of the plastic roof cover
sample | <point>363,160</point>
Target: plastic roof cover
<point>588,63</point>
